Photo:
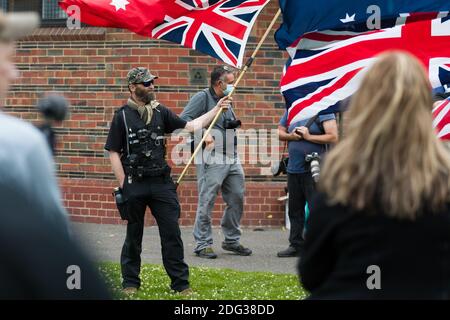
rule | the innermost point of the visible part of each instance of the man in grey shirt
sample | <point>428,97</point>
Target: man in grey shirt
<point>218,169</point>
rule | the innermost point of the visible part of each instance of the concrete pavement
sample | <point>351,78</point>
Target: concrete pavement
<point>104,243</point>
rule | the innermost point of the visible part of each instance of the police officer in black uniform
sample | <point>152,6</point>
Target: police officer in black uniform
<point>137,153</point>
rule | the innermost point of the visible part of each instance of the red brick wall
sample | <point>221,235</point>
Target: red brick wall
<point>89,67</point>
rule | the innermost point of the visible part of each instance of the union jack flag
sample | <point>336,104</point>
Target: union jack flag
<point>327,67</point>
<point>441,122</point>
<point>219,28</point>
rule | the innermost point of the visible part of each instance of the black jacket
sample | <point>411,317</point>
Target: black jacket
<point>413,256</point>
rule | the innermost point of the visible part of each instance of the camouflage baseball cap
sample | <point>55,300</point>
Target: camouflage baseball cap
<point>139,75</point>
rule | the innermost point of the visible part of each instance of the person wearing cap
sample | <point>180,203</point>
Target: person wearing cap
<point>219,169</point>
<point>37,247</point>
<point>137,153</point>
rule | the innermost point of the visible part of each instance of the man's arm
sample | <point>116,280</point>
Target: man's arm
<point>205,120</point>
<point>115,144</point>
<point>330,136</point>
<point>195,107</point>
<point>116,165</point>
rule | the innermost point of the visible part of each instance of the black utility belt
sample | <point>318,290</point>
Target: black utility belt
<point>141,172</point>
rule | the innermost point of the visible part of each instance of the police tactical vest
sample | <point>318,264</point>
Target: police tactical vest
<point>145,155</point>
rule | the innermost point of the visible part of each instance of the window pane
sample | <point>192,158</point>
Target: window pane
<point>4,4</point>
<point>51,10</point>
<point>24,5</point>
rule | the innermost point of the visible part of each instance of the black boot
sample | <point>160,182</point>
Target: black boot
<point>289,252</point>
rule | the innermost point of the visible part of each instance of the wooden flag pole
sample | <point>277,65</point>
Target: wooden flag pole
<point>241,75</point>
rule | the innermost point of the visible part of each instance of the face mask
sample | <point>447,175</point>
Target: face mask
<point>228,89</point>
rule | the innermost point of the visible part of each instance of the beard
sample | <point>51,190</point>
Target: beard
<point>145,96</point>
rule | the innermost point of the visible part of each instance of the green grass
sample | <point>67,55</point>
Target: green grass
<point>208,284</point>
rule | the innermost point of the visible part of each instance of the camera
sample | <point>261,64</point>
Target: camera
<point>314,159</point>
<point>280,167</point>
<point>232,124</point>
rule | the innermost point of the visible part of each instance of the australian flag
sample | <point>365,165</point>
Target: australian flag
<point>333,42</point>
<point>303,16</point>
<point>219,28</point>
<point>326,67</point>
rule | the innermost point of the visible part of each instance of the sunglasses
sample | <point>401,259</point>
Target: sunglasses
<point>148,83</point>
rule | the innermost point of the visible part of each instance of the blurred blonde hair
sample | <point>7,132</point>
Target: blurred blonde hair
<point>390,157</point>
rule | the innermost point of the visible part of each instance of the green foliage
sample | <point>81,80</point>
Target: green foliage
<point>208,284</point>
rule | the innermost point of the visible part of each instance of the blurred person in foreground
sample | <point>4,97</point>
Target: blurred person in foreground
<point>381,225</point>
<point>37,251</point>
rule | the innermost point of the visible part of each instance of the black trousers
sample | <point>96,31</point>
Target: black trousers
<point>301,188</point>
<point>160,195</point>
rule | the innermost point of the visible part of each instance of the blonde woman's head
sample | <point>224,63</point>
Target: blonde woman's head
<point>390,154</point>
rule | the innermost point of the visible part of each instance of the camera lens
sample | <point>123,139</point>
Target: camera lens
<point>314,159</point>
<point>315,170</point>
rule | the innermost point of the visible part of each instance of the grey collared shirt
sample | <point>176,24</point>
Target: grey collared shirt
<point>203,102</point>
